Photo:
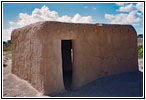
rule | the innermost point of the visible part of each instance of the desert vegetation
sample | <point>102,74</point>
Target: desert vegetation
<point>140,45</point>
<point>140,51</point>
<point>7,45</point>
<point>6,52</point>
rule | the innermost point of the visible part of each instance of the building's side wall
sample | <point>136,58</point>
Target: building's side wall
<point>26,56</point>
<point>107,50</point>
<point>37,59</point>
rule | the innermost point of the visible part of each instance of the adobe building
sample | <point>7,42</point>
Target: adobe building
<point>54,56</point>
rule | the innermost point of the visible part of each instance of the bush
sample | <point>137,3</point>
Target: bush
<point>4,65</point>
<point>7,45</point>
<point>140,51</point>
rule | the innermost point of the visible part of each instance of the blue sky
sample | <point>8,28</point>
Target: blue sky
<point>17,15</point>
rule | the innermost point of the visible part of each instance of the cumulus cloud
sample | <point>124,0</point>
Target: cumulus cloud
<point>78,19</point>
<point>11,23</point>
<point>131,7</point>
<point>43,14</point>
<point>6,33</point>
<point>127,8</point>
<point>132,18</point>
<point>129,14</point>
<point>139,6</point>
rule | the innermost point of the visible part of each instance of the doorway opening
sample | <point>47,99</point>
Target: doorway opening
<point>66,48</point>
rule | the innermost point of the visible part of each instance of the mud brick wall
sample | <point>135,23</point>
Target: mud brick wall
<point>98,51</point>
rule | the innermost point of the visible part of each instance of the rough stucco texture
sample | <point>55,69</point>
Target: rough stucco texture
<point>98,51</point>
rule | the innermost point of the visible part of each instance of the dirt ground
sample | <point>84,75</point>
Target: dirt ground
<point>16,87</point>
<point>140,63</point>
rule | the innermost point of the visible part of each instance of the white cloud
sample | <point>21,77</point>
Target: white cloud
<point>78,19</point>
<point>65,18</point>
<point>131,7</point>
<point>43,14</point>
<point>132,18</point>
<point>139,6</point>
<point>130,15</point>
<point>11,23</point>
<point>6,33</point>
<point>127,8</point>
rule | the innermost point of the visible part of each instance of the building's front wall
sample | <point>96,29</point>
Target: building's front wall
<point>106,51</point>
<point>97,51</point>
<point>51,65</point>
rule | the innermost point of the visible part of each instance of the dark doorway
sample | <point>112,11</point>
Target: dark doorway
<point>66,48</point>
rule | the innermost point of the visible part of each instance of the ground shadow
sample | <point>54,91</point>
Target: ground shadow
<point>128,84</point>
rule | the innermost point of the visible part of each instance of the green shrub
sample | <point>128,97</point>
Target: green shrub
<point>7,45</point>
<point>4,65</point>
<point>140,51</point>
